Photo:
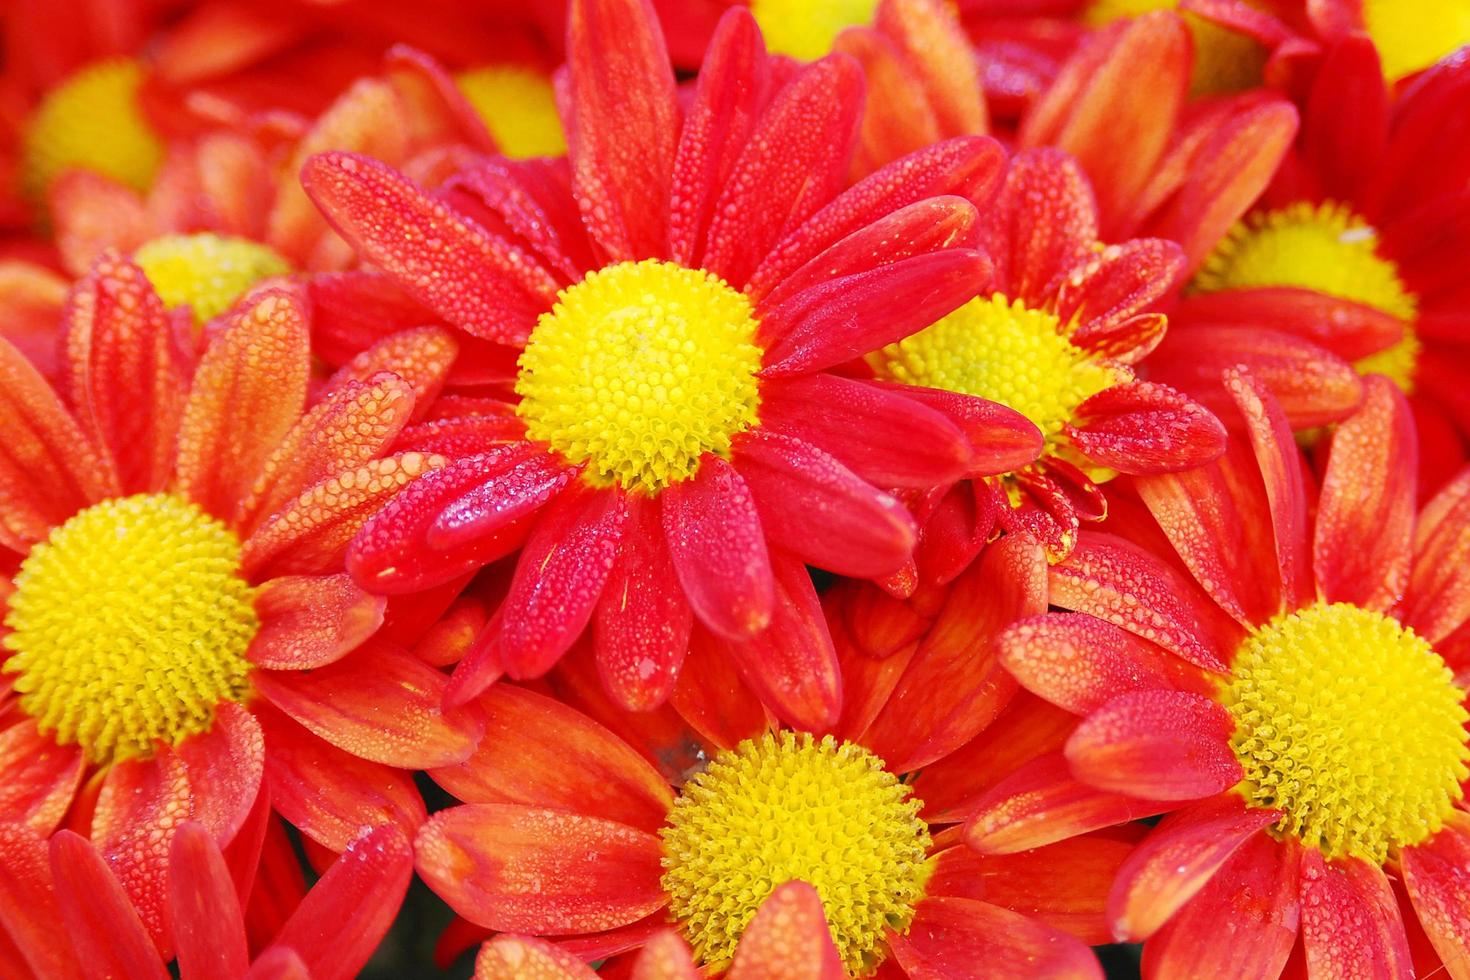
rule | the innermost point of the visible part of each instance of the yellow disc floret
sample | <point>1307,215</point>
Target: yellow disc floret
<point>1006,352</point>
<point>519,108</point>
<point>640,369</point>
<point>130,626</point>
<point>1327,248</point>
<point>93,121</point>
<point>205,271</point>
<point>1414,34</point>
<point>804,29</point>
<point>1224,60</point>
<point>1350,724</point>
<point>792,807</point>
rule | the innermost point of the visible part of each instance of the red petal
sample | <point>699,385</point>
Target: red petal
<point>1141,427</point>
<point>225,768</point>
<point>1242,923</point>
<point>788,937</point>
<point>1438,599</point>
<point>379,703</point>
<point>1050,222</point>
<point>30,914</point>
<point>328,794</point>
<point>208,926</point>
<point>719,549</point>
<point>955,685</point>
<point>961,938</point>
<point>479,283</point>
<point>1178,859</point>
<point>1112,288</point>
<point>38,778</point>
<point>881,434</point>
<point>278,963</point>
<point>518,868</point>
<point>624,125</point>
<point>713,699</point>
<point>1160,745</point>
<point>516,957</point>
<point>308,622</point>
<point>1365,514</point>
<point>343,917</point>
<point>666,957</point>
<point>819,511</point>
<point>1001,439</point>
<point>1080,663</point>
<point>1345,123</point>
<point>128,388</point>
<point>794,162</point>
<point>1351,924</point>
<point>1348,329</point>
<point>1041,803</point>
<point>559,578</point>
<point>539,752</point>
<point>92,213</point>
<point>642,621</point>
<point>516,480</point>
<point>100,922</point>
<point>248,391</point>
<point>1437,876</point>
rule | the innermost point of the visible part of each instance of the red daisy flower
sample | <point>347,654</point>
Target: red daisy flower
<point>176,621</point>
<point>1281,672</point>
<point>1055,336</point>
<point>1355,256</point>
<point>680,447</point>
<point>694,812</point>
<point>68,916</point>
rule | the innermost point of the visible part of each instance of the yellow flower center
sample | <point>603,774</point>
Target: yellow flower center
<point>205,271</point>
<point>789,807</point>
<point>130,625</point>
<point>1224,61</point>
<point>1006,352</point>
<point>1414,34</point>
<point>638,370</point>
<point>805,29</point>
<point>92,121</point>
<point>519,108</point>
<point>1325,247</point>
<point>1351,725</point>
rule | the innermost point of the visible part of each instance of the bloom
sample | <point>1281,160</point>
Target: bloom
<point>677,296</point>
<point>698,816</point>
<point>176,621</point>
<point>1295,703</point>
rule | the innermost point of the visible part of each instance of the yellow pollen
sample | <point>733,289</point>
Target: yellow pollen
<point>1224,61</point>
<point>92,121</point>
<point>1351,725</point>
<point>789,807</point>
<point>1327,248</point>
<point>1006,352</point>
<point>805,29</point>
<point>1414,34</point>
<point>519,108</point>
<point>638,370</point>
<point>205,271</point>
<point>130,625</point>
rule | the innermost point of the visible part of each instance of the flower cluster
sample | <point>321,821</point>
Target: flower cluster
<point>861,488</point>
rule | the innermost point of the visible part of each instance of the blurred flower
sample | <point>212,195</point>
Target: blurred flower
<point>69,916</point>
<point>681,446</point>
<point>176,620</point>
<point>1295,702</point>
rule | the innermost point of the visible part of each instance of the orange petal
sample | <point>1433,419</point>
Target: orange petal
<point>379,703</point>
<point>248,391</point>
<point>38,778</point>
<point>666,957</point>
<point>31,299</point>
<point>1175,861</point>
<point>527,958</point>
<point>311,621</point>
<point>93,213</point>
<point>518,868</point>
<point>788,939</point>
<point>931,36</point>
<point>1365,515</point>
<point>960,939</point>
<point>713,699</point>
<point>1351,925</point>
<point>1438,599</point>
<point>1437,875</point>
<point>539,752</point>
<point>422,357</point>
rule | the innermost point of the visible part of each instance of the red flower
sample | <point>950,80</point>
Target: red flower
<point>176,622</point>
<point>1282,673</point>
<point>694,812</point>
<point>680,447</point>
<point>69,916</point>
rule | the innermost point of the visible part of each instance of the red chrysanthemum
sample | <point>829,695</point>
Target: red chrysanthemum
<point>679,296</point>
<point>69,918</point>
<point>1281,671</point>
<point>176,621</point>
<point>692,814</point>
